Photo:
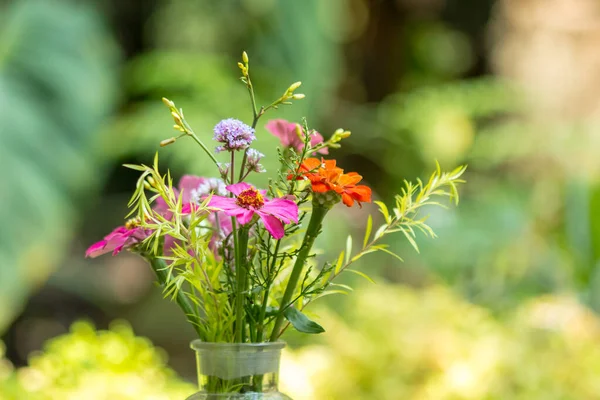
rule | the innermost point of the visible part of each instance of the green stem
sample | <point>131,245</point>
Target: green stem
<point>241,273</point>
<point>263,306</point>
<point>197,140</point>
<point>160,269</point>
<point>314,227</point>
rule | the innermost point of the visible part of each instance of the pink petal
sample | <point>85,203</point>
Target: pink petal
<point>286,210</point>
<point>97,249</point>
<point>238,188</point>
<point>245,216</point>
<point>169,245</point>
<point>283,130</point>
<point>315,139</point>
<point>116,241</point>
<point>187,184</point>
<point>273,225</point>
<point>226,204</point>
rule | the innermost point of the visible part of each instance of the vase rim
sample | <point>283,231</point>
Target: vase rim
<point>198,344</point>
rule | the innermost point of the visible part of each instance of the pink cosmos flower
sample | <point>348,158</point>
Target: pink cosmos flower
<point>120,238</point>
<point>249,201</point>
<point>194,189</point>
<point>286,132</point>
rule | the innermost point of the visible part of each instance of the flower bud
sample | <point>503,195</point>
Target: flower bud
<point>168,102</point>
<point>224,170</point>
<point>167,142</point>
<point>299,132</point>
<point>340,134</point>
<point>178,128</point>
<point>298,96</point>
<point>176,118</point>
<point>294,86</point>
<point>245,57</point>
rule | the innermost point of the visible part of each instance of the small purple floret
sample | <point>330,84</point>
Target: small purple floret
<point>233,134</point>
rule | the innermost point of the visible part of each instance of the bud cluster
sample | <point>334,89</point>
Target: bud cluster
<point>177,118</point>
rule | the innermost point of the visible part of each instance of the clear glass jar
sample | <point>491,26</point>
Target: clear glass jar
<point>248,371</point>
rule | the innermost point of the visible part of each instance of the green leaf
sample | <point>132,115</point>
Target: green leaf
<point>410,238</point>
<point>384,210</point>
<point>348,248</point>
<point>362,274</point>
<point>301,321</point>
<point>339,263</point>
<point>368,231</point>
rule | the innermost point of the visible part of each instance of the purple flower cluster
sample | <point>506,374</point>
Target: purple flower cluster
<point>234,134</point>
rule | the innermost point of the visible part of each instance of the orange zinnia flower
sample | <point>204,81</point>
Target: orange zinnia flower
<point>324,176</point>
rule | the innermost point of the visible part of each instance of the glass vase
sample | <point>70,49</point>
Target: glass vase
<point>240,371</point>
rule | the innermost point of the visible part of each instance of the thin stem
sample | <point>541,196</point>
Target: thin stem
<point>263,307</point>
<point>191,133</point>
<point>314,227</point>
<point>232,167</point>
<point>255,117</point>
<point>160,269</point>
<point>241,273</point>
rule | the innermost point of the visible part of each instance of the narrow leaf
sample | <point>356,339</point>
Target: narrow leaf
<point>367,277</point>
<point>384,210</point>
<point>368,231</point>
<point>301,322</point>
<point>340,262</point>
<point>348,248</point>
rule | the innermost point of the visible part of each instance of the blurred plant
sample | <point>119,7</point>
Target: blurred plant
<point>56,86</point>
<point>529,226</point>
<point>190,63</point>
<point>90,364</point>
<point>436,346</point>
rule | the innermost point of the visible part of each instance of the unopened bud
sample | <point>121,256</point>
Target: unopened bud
<point>167,142</point>
<point>179,128</point>
<point>151,181</point>
<point>299,132</point>
<point>176,117</point>
<point>168,102</point>
<point>223,170</point>
<point>339,134</point>
<point>298,96</point>
<point>294,86</point>
<point>245,57</point>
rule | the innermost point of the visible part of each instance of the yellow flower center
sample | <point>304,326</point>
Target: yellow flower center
<point>132,223</point>
<point>250,198</point>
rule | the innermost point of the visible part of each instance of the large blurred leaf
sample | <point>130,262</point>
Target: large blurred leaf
<point>56,86</point>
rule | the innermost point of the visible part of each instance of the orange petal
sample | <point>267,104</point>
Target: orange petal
<point>361,193</point>
<point>329,164</point>
<point>310,164</point>
<point>347,199</point>
<point>320,187</point>
<point>351,178</point>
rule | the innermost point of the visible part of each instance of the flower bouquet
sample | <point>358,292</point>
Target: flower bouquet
<point>238,259</point>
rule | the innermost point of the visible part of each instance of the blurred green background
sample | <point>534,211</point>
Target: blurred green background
<point>503,304</point>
